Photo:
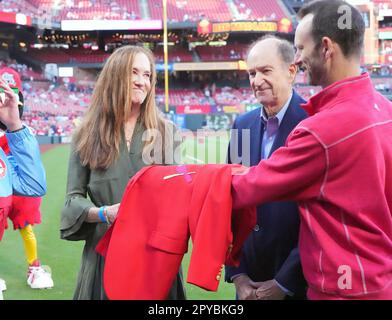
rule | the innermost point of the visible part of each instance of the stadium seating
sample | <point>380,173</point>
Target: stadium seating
<point>183,97</point>
<point>18,6</point>
<point>79,56</point>
<point>383,84</point>
<point>230,96</point>
<point>383,3</point>
<point>87,9</point>
<point>307,91</point>
<point>225,53</point>
<point>9,6</point>
<point>107,10</point>
<point>32,75</point>
<point>49,55</point>
<point>87,56</point>
<point>191,10</point>
<point>155,8</point>
<point>178,10</point>
<point>53,110</point>
<point>175,54</point>
<point>259,10</point>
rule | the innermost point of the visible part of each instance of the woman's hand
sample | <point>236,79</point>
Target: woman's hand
<point>111,212</point>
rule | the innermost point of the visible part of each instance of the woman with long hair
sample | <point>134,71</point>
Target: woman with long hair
<point>108,148</point>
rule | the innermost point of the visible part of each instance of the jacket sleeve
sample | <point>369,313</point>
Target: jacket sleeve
<point>210,227</point>
<point>293,172</point>
<point>73,215</point>
<point>235,139</point>
<point>290,274</point>
<point>27,170</point>
<point>231,271</point>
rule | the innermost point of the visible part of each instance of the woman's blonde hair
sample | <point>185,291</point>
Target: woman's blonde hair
<point>98,139</point>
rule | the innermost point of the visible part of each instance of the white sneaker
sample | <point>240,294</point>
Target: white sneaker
<point>38,277</point>
<point>3,286</point>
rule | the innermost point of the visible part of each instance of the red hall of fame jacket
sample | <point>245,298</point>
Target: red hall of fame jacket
<point>161,208</point>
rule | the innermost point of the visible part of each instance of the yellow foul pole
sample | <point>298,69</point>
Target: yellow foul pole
<point>165,54</point>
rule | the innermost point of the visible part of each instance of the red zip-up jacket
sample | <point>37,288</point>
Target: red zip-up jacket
<point>338,165</point>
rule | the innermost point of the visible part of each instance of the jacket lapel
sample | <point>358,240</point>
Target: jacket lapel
<point>256,132</point>
<point>289,121</point>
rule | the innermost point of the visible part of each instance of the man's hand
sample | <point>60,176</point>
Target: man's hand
<point>244,288</point>
<point>9,112</point>
<point>112,211</point>
<point>268,290</point>
<point>239,170</point>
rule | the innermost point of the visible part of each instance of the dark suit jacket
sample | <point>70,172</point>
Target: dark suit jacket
<point>271,250</point>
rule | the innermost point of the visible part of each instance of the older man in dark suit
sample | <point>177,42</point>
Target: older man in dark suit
<point>270,260</point>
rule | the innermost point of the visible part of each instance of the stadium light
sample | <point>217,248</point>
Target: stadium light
<point>37,45</point>
<point>217,43</point>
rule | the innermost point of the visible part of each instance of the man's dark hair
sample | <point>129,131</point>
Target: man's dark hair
<point>327,22</point>
<point>284,47</point>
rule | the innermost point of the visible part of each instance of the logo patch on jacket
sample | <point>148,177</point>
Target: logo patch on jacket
<point>3,169</point>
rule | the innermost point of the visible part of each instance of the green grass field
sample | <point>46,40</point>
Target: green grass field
<point>64,256</point>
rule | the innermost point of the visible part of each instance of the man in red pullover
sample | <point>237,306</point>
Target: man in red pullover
<point>337,164</point>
